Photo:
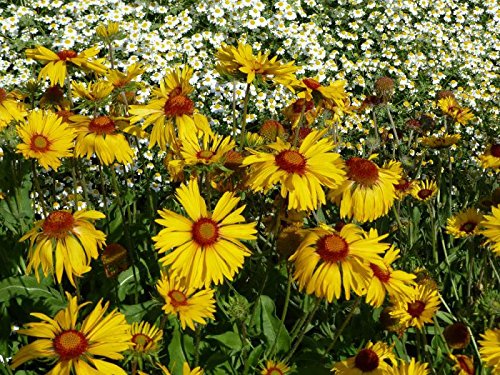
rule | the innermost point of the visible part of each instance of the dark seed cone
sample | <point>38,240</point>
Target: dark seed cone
<point>444,94</point>
<point>457,335</point>
<point>384,87</point>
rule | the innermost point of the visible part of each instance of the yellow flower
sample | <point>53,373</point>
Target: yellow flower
<point>424,190</point>
<point>145,338</point>
<point>411,368</point>
<point>74,239</point>
<point>443,141</point>
<point>100,135</point>
<point>489,159</point>
<point>275,368</point>
<point>372,360</point>
<point>490,349</point>
<point>326,260</point>
<point>418,308</point>
<point>369,191</point>
<point>10,108</point>
<point>172,106</point>
<point>183,301</point>
<point>403,188</point>
<point>186,370</point>
<point>236,60</point>
<point>491,229</point>
<point>92,91</point>
<point>46,138</point>
<point>119,79</point>
<point>464,224</point>
<point>57,63</point>
<point>464,365</point>
<point>335,91</point>
<point>388,280</point>
<point>209,149</point>
<point>204,248</point>
<point>76,347</point>
<point>450,107</point>
<point>107,31</point>
<point>301,172</point>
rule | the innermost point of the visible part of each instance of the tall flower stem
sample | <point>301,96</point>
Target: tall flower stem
<point>303,331</point>
<point>244,119</point>
<point>105,198</point>
<point>432,215</point>
<point>197,345</point>
<point>235,122</point>
<point>344,324</point>
<point>39,189</point>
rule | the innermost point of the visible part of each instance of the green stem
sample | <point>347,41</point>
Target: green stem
<point>244,119</point>
<point>105,198</point>
<point>39,189</point>
<point>375,126</point>
<point>235,122</point>
<point>303,331</point>
<point>344,324</point>
<point>299,126</point>
<point>197,346</point>
<point>433,233</point>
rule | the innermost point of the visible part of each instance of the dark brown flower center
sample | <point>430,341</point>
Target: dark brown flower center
<point>39,143</point>
<point>274,371</point>
<point>177,298</point>
<point>298,105</point>
<point>58,224</point>
<point>178,105</point>
<point>424,193</point>
<point>366,360</point>
<point>3,95</point>
<point>362,171</point>
<point>141,341</point>
<point>291,161</point>
<point>70,344</point>
<point>415,309</point>
<point>65,115</point>
<point>468,227</point>
<point>495,149</point>
<point>66,54</point>
<point>381,274</point>
<point>332,248</point>
<point>402,185</point>
<point>102,125</point>
<point>205,232</point>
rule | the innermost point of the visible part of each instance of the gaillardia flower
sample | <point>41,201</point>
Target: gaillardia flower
<point>10,108</point>
<point>438,142</point>
<point>101,135</point>
<point>369,191</point>
<point>450,107</point>
<point>76,347</point>
<point>418,308</point>
<point>411,368</point>
<point>172,109</point>
<point>491,229</point>
<point>183,301</point>
<point>424,190</point>
<point>57,63</point>
<point>370,360</point>
<point>74,239</point>
<point>326,260</point>
<point>45,138</point>
<point>490,349</point>
<point>491,157</point>
<point>464,224</point>
<point>145,337</point>
<point>204,248</point>
<point>463,365</point>
<point>386,280</point>
<point>275,368</point>
<point>301,172</point>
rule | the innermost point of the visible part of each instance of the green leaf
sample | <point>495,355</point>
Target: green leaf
<point>270,325</point>
<point>135,313</point>
<point>25,286</point>
<point>175,353</point>
<point>126,282</point>
<point>230,339</point>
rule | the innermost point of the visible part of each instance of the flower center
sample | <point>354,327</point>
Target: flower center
<point>468,227</point>
<point>58,224</point>
<point>402,185</point>
<point>291,161</point>
<point>54,94</point>
<point>495,149</point>
<point>362,171</point>
<point>39,143</point>
<point>141,341</point>
<point>65,115</point>
<point>415,309</point>
<point>366,360</point>
<point>177,298</point>
<point>381,274</point>
<point>102,125</point>
<point>205,154</point>
<point>3,95</point>
<point>205,232</point>
<point>274,371</point>
<point>298,105</point>
<point>70,344</point>
<point>424,193</point>
<point>66,54</point>
<point>311,83</point>
<point>332,248</point>
<point>178,105</point>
